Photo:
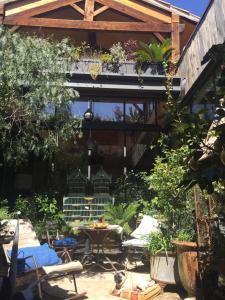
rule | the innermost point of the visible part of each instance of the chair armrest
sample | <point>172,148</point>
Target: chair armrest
<point>34,260</point>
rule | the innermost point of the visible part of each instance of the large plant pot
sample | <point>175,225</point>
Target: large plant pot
<point>164,268</point>
<point>187,265</point>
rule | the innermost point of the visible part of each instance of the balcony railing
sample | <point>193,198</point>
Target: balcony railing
<point>90,66</point>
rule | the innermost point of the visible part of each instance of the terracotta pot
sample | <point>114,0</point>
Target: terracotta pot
<point>164,268</point>
<point>187,265</point>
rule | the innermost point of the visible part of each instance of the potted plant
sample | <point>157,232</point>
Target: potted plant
<point>187,265</point>
<point>121,214</point>
<point>163,260</point>
<point>174,202</point>
<point>151,57</point>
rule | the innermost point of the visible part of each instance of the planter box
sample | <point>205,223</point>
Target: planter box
<point>164,268</point>
<point>187,265</point>
<point>125,68</point>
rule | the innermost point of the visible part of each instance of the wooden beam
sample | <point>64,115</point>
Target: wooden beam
<point>163,17</point>
<point>2,12</point>
<point>141,13</point>
<point>89,25</point>
<point>39,7</point>
<point>100,10</point>
<point>159,36</point>
<point>14,28</point>
<point>77,8</point>
<point>124,9</point>
<point>175,36</point>
<point>89,10</point>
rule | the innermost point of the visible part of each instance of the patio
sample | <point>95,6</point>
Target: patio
<point>106,160</point>
<point>99,284</point>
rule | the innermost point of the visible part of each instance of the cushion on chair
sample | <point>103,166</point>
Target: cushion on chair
<point>147,225</point>
<point>44,255</point>
<point>73,266</point>
<point>68,241</point>
<point>142,243</point>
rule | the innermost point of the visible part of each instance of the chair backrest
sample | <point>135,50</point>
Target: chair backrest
<point>147,225</point>
<point>27,235</point>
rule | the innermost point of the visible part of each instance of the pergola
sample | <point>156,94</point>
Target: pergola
<point>149,16</point>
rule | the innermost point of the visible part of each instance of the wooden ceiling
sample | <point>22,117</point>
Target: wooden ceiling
<point>144,18</point>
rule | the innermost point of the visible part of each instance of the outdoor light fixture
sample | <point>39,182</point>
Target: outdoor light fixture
<point>220,110</point>
<point>88,115</point>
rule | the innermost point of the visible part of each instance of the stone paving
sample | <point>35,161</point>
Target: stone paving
<point>98,286</point>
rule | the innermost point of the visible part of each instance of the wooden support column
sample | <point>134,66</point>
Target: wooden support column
<point>89,10</point>
<point>2,12</point>
<point>175,37</point>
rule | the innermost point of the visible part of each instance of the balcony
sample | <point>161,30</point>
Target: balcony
<point>126,68</point>
<point>96,80</point>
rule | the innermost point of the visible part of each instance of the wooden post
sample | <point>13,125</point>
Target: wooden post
<point>175,37</point>
<point>89,10</point>
<point>2,12</point>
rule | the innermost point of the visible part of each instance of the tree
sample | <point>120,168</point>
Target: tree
<point>172,201</point>
<point>34,99</point>
<point>211,168</point>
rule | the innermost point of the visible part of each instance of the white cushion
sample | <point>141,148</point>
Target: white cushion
<point>135,243</point>
<point>147,225</point>
<point>73,266</point>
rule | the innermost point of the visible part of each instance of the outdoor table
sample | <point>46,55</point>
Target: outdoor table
<point>97,238</point>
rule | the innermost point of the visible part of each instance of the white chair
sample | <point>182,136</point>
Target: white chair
<point>135,248</point>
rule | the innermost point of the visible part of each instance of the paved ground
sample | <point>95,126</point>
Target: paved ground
<point>98,286</point>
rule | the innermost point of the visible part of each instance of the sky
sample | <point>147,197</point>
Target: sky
<point>197,7</point>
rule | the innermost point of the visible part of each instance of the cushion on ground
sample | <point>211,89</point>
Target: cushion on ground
<point>148,294</point>
<point>44,255</point>
<point>75,266</point>
<point>67,241</point>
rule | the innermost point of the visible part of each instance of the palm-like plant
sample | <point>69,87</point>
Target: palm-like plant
<point>121,215</point>
<point>154,52</point>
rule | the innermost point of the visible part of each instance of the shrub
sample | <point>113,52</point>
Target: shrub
<point>131,47</point>
<point>40,208</point>
<point>121,215</point>
<point>4,215</point>
<point>106,58</point>
<point>154,52</point>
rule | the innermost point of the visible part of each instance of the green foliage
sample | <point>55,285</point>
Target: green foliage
<point>33,72</point>
<point>116,56</point>
<point>132,188</point>
<point>106,58</point>
<point>211,169</point>
<point>118,53</point>
<point>4,214</point>
<point>39,209</point>
<point>154,52</point>
<point>121,214</point>
<point>80,51</point>
<point>4,210</point>
<point>172,201</point>
<point>157,242</point>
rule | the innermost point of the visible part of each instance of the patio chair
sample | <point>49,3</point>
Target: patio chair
<point>60,243</point>
<point>39,259</point>
<point>135,248</point>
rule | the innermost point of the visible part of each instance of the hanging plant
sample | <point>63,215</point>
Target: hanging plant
<point>95,70</point>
